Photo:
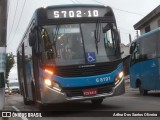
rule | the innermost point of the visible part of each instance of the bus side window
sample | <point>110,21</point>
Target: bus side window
<point>109,36</point>
<point>137,51</point>
<point>149,47</point>
<point>132,47</point>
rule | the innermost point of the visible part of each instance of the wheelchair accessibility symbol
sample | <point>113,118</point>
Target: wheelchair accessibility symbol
<point>91,57</point>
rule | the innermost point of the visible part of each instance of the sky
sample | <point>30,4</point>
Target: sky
<point>127,13</point>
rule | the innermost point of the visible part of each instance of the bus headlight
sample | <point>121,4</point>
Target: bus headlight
<point>48,82</point>
<point>52,84</point>
<point>119,77</point>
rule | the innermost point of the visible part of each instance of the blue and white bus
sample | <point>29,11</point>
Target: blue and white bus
<point>70,53</point>
<point>145,62</point>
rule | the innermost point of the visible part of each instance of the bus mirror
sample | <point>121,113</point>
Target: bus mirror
<point>131,50</point>
<point>122,52</point>
<point>31,39</point>
<point>109,26</point>
<point>132,47</point>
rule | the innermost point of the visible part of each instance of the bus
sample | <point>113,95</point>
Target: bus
<point>70,53</point>
<point>145,62</point>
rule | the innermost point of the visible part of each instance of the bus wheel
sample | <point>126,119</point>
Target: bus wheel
<point>142,91</point>
<point>26,102</point>
<point>97,101</point>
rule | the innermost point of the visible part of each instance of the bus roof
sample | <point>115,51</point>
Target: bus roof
<point>76,5</point>
<point>109,10</point>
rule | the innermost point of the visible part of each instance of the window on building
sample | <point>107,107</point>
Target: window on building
<point>147,29</point>
<point>159,23</point>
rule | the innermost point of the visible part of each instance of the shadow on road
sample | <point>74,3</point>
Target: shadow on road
<point>153,94</point>
<point>78,106</point>
<point>150,94</point>
<point>81,109</point>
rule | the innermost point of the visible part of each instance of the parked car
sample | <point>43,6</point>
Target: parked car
<point>6,90</point>
<point>13,87</point>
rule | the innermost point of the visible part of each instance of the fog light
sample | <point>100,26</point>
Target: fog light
<point>119,77</point>
<point>48,82</point>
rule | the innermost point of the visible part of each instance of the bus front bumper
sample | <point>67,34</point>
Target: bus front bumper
<point>49,95</point>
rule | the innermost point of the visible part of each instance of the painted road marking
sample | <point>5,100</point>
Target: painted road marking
<point>23,118</point>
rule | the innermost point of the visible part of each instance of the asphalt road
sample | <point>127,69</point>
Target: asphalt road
<point>130,101</point>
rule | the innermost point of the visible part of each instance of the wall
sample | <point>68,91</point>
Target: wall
<point>153,25</point>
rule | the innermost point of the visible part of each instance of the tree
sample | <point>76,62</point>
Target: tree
<point>9,63</point>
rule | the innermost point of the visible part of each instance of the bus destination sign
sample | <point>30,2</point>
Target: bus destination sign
<point>75,12</point>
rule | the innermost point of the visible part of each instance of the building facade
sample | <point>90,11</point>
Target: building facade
<point>149,22</point>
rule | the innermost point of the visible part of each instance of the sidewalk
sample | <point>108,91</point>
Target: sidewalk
<point>127,80</point>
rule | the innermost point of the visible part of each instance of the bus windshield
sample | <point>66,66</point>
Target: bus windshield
<point>71,44</point>
<point>11,84</point>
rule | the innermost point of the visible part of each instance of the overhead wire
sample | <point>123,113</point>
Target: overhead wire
<point>127,32</point>
<point>98,2</point>
<point>127,11</point>
<point>78,1</point>
<point>73,2</point>
<point>119,9</point>
<point>21,17</point>
<point>13,19</point>
<point>18,21</point>
<point>124,29</point>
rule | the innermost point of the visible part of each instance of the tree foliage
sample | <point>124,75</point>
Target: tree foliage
<point>9,63</point>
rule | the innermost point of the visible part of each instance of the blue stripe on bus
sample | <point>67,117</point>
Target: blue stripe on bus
<point>89,80</point>
<point>147,72</point>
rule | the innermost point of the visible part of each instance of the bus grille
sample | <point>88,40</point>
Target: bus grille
<point>90,70</point>
<point>79,92</point>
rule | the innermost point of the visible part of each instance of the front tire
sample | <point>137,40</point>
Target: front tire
<point>26,102</point>
<point>97,101</point>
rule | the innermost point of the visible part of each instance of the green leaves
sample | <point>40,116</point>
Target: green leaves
<point>9,63</point>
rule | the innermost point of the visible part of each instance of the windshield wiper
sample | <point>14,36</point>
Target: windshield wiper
<point>55,37</point>
<point>97,34</point>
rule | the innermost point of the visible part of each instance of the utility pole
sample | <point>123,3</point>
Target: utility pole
<point>130,38</point>
<point>3,32</point>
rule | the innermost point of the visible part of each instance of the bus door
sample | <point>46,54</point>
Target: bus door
<point>135,64</point>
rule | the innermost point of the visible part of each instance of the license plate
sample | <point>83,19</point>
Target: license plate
<point>89,92</point>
